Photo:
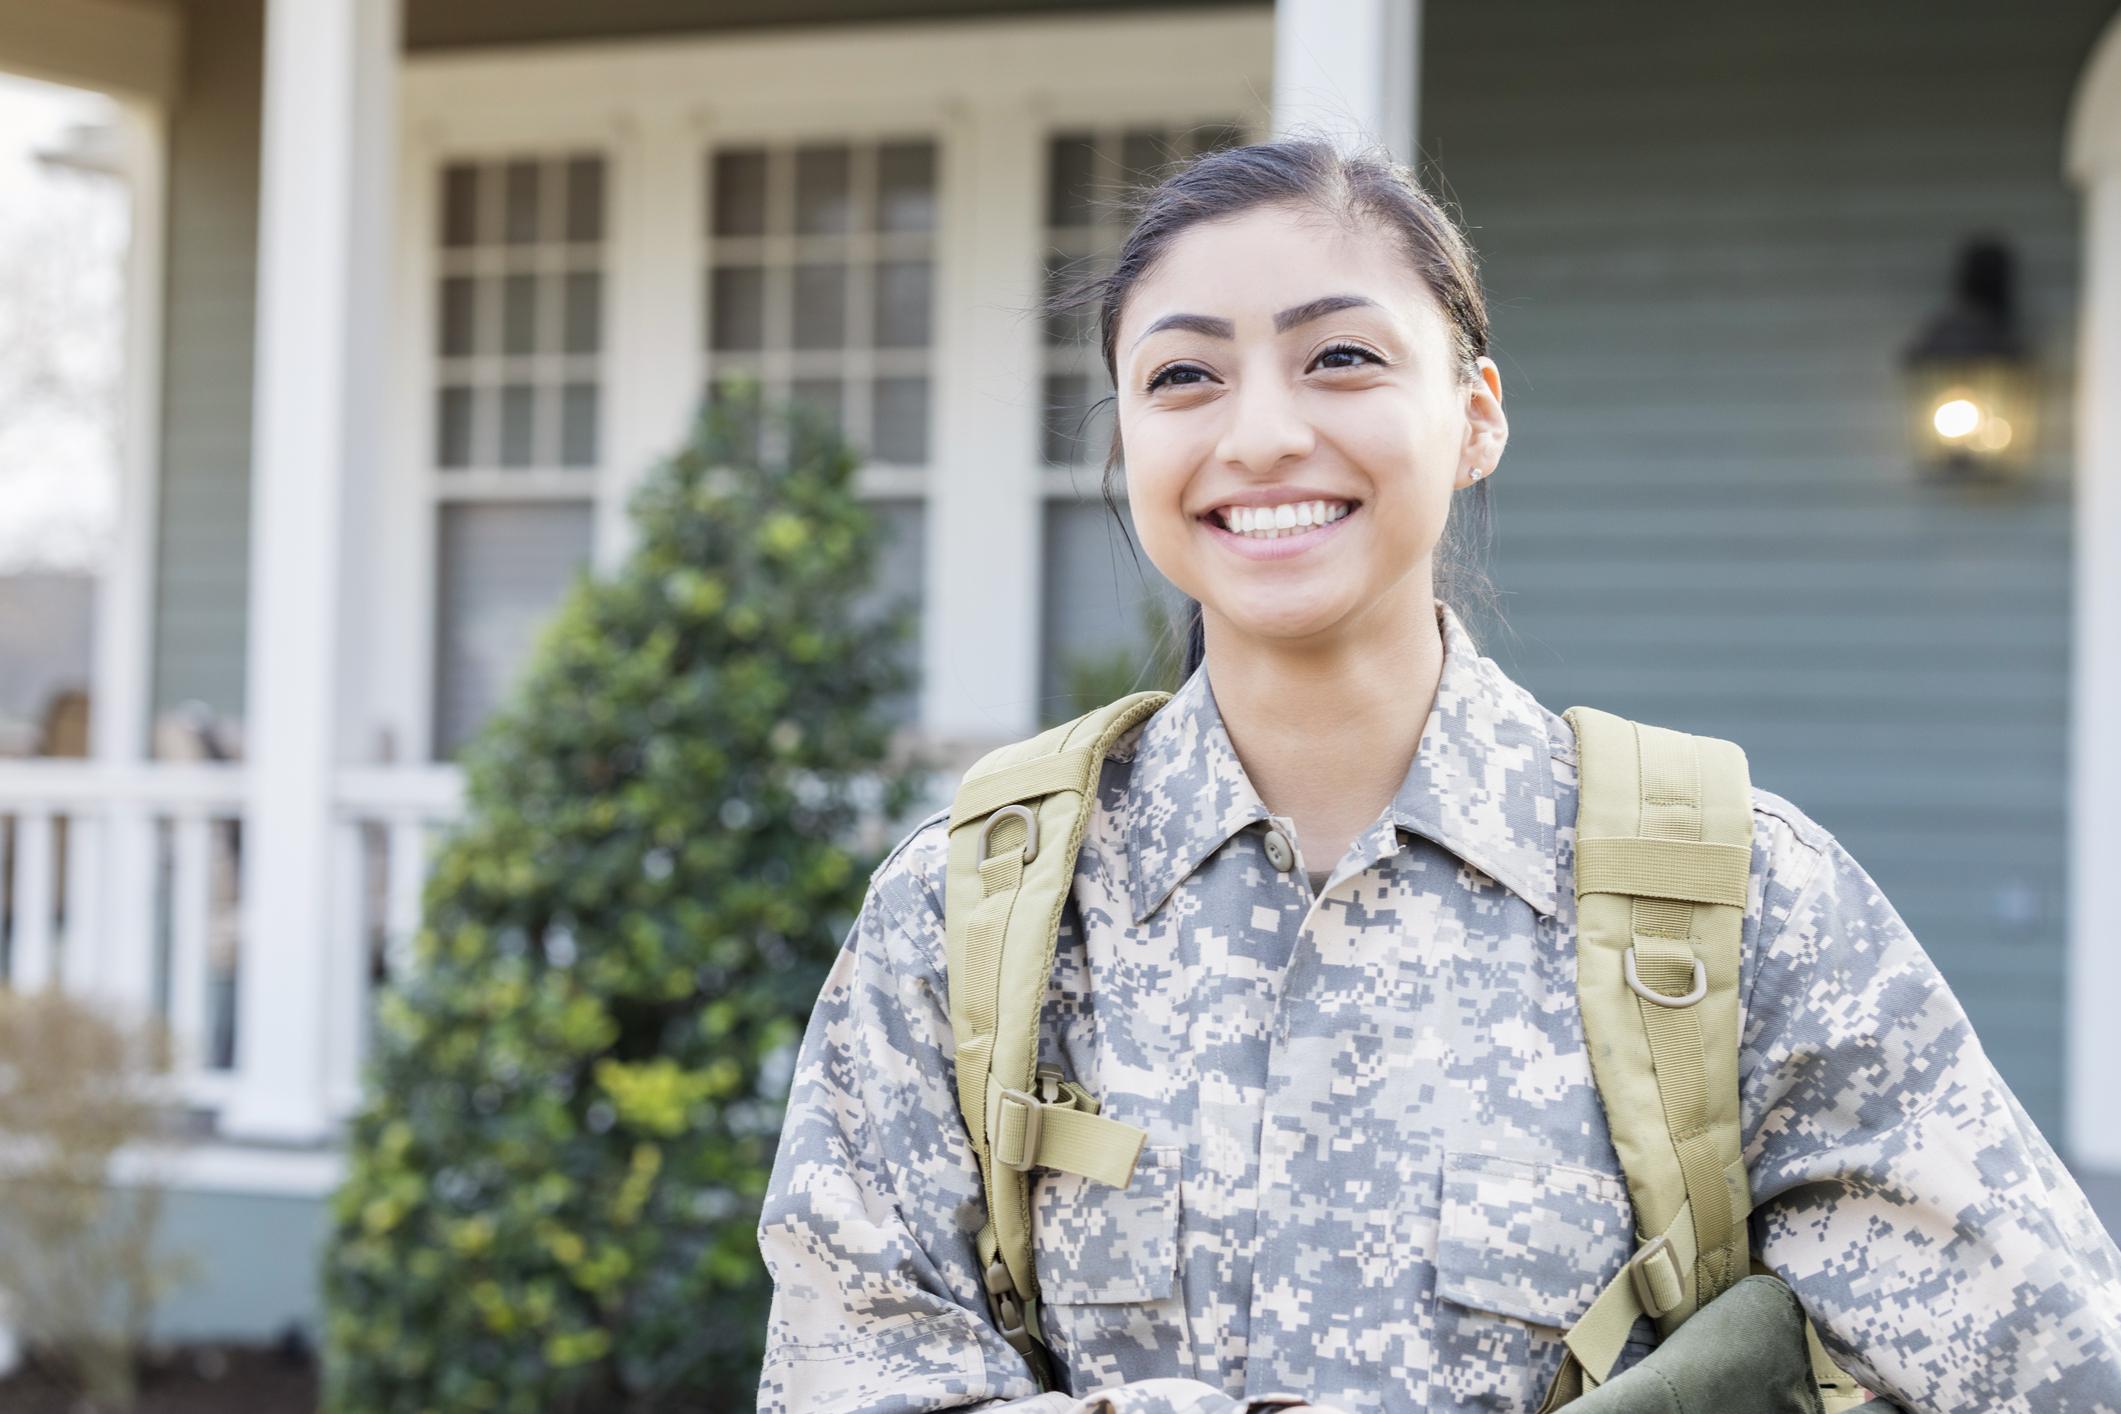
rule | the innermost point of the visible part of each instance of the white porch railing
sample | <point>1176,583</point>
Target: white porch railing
<point>126,885</point>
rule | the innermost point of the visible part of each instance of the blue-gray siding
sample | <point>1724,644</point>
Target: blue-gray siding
<point>1705,242</point>
<point>203,545</point>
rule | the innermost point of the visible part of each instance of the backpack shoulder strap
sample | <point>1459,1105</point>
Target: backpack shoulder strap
<point>1016,826</point>
<point>1663,862</point>
<point>1663,857</point>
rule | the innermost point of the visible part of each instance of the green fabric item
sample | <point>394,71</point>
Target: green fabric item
<point>1742,1353</point>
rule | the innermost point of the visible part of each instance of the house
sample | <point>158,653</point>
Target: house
<point>418,293</point>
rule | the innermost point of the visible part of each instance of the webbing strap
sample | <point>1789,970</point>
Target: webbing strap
<point>1002,914</point>
<point>978,969</point>
<point>1031,1132</point>
<point>1652,1282</point>
<point>1682,870</point>
<point>1663,865</point>
<point>981,796</point>
<point>1665,955</point>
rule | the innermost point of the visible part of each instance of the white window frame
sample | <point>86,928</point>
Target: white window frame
<point>988,91</point>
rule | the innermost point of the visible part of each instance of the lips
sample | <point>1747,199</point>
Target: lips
<point>1282,548</point>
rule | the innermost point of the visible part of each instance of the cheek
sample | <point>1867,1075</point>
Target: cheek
<point>1160,463</point>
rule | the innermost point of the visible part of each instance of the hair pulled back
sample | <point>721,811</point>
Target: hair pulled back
<point>1360,188</point>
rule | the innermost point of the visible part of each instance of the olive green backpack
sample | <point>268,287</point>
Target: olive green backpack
<point>1663,857</point>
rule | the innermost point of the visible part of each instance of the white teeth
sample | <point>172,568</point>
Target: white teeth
<point>1273,522</point>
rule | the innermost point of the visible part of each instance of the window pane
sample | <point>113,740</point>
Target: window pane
<point>902,301</point>
<point>520,224</point>
<point>902,421</point>
<point>578,424</point>
<point>519,314</point>
<point>739,187</point>
<point>460,204</point>
<point>459,311</point>
<point>1099,612</point>
<point>824,201</point>
<point>453,422</point>
<point>737,307</point>
<point>585,199</point>
<point>905,185</point>
<point>1142,155</point>
<point>1071,166</point>
<point>502,570</point>
<point>824,397</point>
<point>519,403</point>
<point>1067,436</point>
<point>901,557</point>
<point>820,306</point>
<point>584,305</point>
<point>1078,326</point>
<point>1216,137</point>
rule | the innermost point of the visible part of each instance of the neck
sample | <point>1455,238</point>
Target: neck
<point>1327,731</point>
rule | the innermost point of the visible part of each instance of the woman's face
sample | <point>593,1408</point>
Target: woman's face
<point>1275,358</point>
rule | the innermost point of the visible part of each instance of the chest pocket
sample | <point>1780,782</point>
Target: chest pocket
<point>1111,1303</point>
<point>1523,1247</point>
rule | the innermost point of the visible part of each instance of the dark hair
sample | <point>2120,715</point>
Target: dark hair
<point>1351,186</point>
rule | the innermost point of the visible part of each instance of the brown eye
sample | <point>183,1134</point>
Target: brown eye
<point>1165,375</point>
<point>1356,349</point>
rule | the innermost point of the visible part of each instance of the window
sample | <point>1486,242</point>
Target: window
<point>1099,610</point>
<point>820,284</point>
<point>821,281</point>
<point>519,342</point>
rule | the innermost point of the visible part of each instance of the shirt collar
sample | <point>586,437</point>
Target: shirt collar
<point>1481,783</point>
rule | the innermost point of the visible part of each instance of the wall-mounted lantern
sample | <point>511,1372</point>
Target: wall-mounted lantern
<point>1972,395</point>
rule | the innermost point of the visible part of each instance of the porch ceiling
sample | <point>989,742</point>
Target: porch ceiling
<point>448,24</point>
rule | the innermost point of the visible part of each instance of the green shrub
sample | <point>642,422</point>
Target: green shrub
<point>554,1185</point>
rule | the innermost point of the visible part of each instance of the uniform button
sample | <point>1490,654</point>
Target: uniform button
<point>1278,852</point>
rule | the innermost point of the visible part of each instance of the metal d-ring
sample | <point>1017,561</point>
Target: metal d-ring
<point>1700,988</point>
<point>1030,831</point>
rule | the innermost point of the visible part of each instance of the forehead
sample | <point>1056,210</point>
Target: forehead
<point>1248,266</point>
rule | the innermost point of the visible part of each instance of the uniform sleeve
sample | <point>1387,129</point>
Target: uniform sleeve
<point>874,1201</point>
<point>1947,1258</point>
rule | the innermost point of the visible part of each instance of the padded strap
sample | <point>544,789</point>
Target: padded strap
<point>1016,825</point>
<point>1663,859</point>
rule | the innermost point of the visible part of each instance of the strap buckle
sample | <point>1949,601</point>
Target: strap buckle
<point>1699,990</point>
<point>1646,1282</point>
<point>1012,1319</point>
<point>1024,1155</point>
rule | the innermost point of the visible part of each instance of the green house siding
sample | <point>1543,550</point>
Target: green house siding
<point>202,556</point>
<point>1705,244</point>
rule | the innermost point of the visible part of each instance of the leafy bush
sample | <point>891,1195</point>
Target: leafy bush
<point>555,1183</point>
<point>80,1257</point>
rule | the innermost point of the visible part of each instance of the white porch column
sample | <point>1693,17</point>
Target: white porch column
<point>330,73</point>
<point>122,966</point>
<point>2094,987</point>
<point>1348,69</point>
<point>984,561</point>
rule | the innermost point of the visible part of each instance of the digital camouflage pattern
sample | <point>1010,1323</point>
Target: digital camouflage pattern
<point>1378,1176</point>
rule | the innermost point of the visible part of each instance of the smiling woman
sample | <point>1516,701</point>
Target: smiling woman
<point>1245,1143</point>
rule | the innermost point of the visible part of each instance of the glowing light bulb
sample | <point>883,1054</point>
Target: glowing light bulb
<point>1956,418</point>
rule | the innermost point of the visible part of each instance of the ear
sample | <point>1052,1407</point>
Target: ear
<point>1487,429</point>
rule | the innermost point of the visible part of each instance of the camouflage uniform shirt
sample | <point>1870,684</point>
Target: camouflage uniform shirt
<point>1378,1175</point>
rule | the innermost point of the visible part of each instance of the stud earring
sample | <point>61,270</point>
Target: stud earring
<point>1478,472</point>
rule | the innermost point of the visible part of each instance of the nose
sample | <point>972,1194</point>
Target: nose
<point>1266,427</point>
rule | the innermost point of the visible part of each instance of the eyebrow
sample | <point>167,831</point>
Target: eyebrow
<point>1214,328</point>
